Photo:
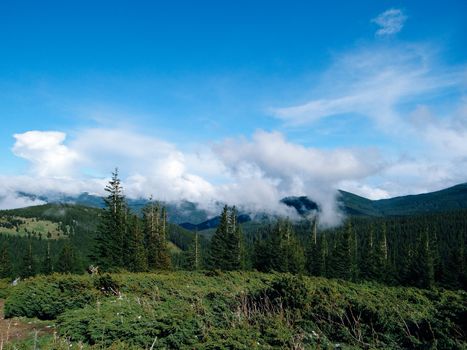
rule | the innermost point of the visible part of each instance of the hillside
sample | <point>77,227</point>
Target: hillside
<point>449,199</point>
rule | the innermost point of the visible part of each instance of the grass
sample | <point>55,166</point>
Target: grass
<point>23,226</point>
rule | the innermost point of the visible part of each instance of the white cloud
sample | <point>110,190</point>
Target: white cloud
<point>268,168</point>
<point>10,200</point>
<point>390,22</point>
<point>253,174</point>
<point>411,99</point>
<point>46,152</point>
<point>373,82</point>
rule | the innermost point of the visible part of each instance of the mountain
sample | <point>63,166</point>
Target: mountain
<point>183,211</point>
<point>211,223</point>
<point>452,198</point>
<point>191,217</point>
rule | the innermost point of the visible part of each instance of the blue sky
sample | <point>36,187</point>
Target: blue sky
<point>378,84</point>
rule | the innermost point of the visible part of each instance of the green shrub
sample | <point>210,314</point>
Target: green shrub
<point>106,284</point>
<point>288,290</point>
<point>46,297</point>
<point>5,287</point>
<point>136,322</point>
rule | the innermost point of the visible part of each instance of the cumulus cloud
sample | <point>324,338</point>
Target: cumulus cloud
<point>46,152</point>
<point>390,22</point>
<point>254,174</point>
<point>269,168</point>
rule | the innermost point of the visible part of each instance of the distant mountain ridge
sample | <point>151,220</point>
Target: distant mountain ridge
<point>448,199</point>
<point>190,216</point>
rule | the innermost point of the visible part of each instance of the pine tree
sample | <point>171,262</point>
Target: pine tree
<point>66,259</point>
<point>367,266</point>
<point>315,253</point>
<point>194,254</point>
<point>163,261</point>
<point>234,240</point>
<point>47,263</point>
<point>151,230</point>
<point>111,235</point>
<point>227,250</point>
<point>6,269</point>
<point>155,236</point>
<point>341,259</point>
<point>380,257</point>
<point>136,250</point>
<point>218,252</point>
<point>28,266</point>
<point>421,272</point>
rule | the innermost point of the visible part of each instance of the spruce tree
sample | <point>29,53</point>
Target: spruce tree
<point>136,250</point>
<point>111,234</point>
<point>234,239</point>
<point>194,254</point>
<point>380,257</point>
<point>47,263</point>
<point>341,259</point>
<point>315,253</point>
<point>163,261</point>
<point>66,259</point>
<point>28,265</point>
<point>151,227</point>
<point>6,269</point>
<point>218,252</point>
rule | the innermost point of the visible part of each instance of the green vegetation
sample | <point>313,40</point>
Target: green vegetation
<point>32,227</point>
<point>449,199</point>
<point>240,310</point>
<point>351,285</point>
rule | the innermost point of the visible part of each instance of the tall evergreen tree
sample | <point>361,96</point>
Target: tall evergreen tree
<point>194,254</point>
<point>47,267</point>
<point>227,249</point>
<point>6,269</point>
<point>315,253</point>
<point>379,261</point>
<point>111,234</point>
<point>163,261</point>
<point>28,265</point>
<point>155,236</point>
<point>137,261</point>
<point>218,250</point>
<point>341,258</point>
<point>66,260</point>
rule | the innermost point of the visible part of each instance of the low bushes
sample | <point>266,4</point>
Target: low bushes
<point>46,297</point>
<point>238,310</point>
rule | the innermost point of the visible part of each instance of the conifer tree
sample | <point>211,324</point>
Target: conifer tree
<point>163,261</point>
<point>234,242</point>
<point>194,254</point>
<point>367,256</point>
<point>111,234</point>
<point>28,266</point>
<point>151,223</point>
<point>47,263</point>
<point>6,269</point>
<point>380,257</point>
<point>218,252</point>
<point>66,259</point>
<point>315,253</point>
<point>136,250</point>
<point>341,259</point>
